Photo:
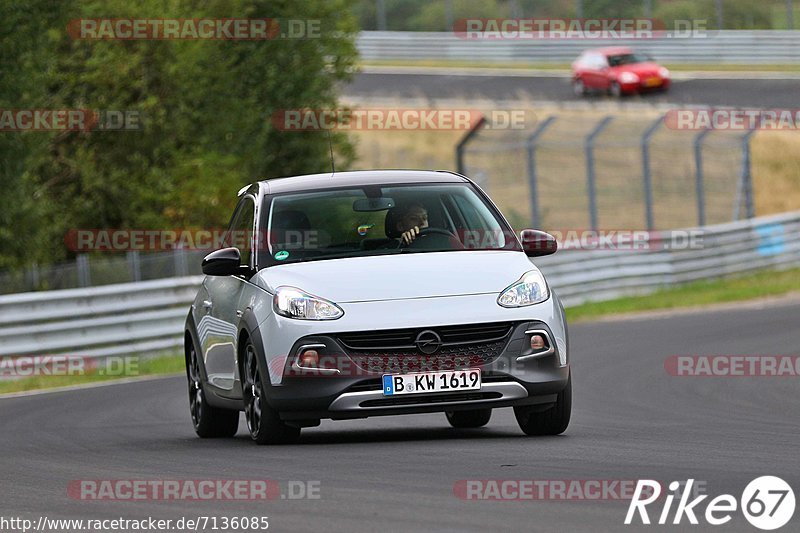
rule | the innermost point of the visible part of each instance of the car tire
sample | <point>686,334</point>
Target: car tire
<point>209,422</point>
<point>578,87</point>
<point>615,90</point>
<point>263,422</point>
<point>469,419</point>
<point>551,421</point>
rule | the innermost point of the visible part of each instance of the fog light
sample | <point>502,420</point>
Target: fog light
<point>537,342</point>
<point>309,359</point>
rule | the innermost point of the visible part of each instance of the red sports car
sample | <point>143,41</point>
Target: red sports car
<point>618,71</point>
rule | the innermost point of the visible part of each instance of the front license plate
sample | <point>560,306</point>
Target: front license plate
<point>652,82</point>
<point>426,382</point>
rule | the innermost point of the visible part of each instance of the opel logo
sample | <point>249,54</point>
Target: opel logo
<point>428,342</point>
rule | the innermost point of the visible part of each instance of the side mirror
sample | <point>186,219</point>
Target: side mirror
<point>536,243</point>
<point>224,262</point>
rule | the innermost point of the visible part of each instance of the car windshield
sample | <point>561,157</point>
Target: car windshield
<point>379,220</point>
<point>627,59</point>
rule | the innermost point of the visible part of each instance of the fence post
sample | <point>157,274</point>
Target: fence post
<point>590,178</point>
<point>380,14</point>
<point>532,187</point>
<point>35,279</point>
<point>698,177</point>
<point>646,176</point>
<point>462,144</point>
<point>181,268</point>
<point>745,180</point>
<point>84,276</point>
<point>135,265</point>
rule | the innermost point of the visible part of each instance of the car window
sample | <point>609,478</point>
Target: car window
<point>357,222</point>
<point>325,220</point>
<point>479,221</point>
<point>626,59</point>
<point>599,61</point>
<point>471,215</point>
<point>240,231</point>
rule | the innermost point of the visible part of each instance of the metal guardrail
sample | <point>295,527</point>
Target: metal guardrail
<point>726,46</point>
<point>97,321</point>
<point>148,316</point>
<point>733,248</point>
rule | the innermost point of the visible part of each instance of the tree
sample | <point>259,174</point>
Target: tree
<point>205,105</point>
<point>22,85</point>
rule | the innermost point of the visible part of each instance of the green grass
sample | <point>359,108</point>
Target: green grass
<point>730,289</point>
<point>459,63</point>
<point>131,368</point>
<point>683,67</point>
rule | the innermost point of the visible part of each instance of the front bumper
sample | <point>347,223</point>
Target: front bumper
<point>512,375</point>
<point>646,85</point>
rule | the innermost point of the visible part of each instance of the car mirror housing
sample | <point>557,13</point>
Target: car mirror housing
<point>224,262</point>
<point>537,243</point>
<point>373,204</point>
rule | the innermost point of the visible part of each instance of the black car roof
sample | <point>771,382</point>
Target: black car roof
<point>358,178</point>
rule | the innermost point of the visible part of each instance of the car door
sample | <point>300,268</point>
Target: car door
<point>579,67</point>
<point>603,72</point>
<point>597,68</point>
<point>218,329</point>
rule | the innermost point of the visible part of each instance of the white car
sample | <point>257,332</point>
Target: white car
<point>374,293</point>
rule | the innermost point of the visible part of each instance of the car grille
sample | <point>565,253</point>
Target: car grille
<point>394,351</point>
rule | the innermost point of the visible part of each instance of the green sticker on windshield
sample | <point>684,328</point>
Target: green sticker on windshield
<point>280,256</point>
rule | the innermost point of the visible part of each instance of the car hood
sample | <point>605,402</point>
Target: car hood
<point>394,277</point>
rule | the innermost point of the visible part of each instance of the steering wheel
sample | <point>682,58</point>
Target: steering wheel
<point>427,232</point>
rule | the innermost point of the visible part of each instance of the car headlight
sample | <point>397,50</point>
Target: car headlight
<point>628,77</point>
<point>291,302</point>
<point>663,72</point>
<point>530,289</point>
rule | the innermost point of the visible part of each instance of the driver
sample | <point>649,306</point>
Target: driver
<point>411,219</point>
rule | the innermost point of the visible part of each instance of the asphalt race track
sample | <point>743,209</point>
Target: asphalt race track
<point>762,93</point>
<point>631,420</point>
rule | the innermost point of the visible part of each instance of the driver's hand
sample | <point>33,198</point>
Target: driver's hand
<point>409,236</point>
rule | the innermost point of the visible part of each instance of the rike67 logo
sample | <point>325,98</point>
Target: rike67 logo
<point>767,503</point>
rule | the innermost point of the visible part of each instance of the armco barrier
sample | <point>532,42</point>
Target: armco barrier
<point>149,316</point>
<point>726,46</point>
<point>732,248</point>
<point>97,321</point>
